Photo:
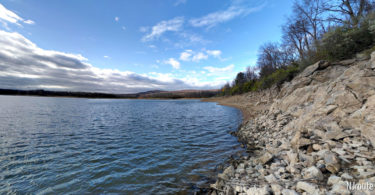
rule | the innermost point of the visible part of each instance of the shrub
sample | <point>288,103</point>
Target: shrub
<point>279,77</point>
<point>368,52</point>
<point>235,90</point>
<point>302,46</point>
<point>343,42</point>
<point>248,86</point>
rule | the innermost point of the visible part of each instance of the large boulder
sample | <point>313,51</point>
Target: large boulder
<point>311,69</point>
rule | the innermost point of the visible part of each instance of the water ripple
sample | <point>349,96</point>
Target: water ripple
<point>80,146</point>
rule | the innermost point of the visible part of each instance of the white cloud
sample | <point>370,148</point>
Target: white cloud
<point>215,18</point>
<point>173,62</point>
<point>190,55</point>
<point>7,16</point>
<point>117,19</point>
<point>24,65</point>
<point>29,22</point>
<point>196,81</point>
<point>214,53</point>
<point>165,77</point>
<point>182,37</point>
<point>185,56</point>
<point>219,71</point>
<point>199,56</point>
<point>160,28</point>
<point>107,57</point>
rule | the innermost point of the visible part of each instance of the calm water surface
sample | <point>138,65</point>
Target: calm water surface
<point>80,146</point>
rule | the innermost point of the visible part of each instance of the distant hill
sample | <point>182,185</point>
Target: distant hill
<point>179,94</point>
<point>156,94</point>
<point>149,92</point>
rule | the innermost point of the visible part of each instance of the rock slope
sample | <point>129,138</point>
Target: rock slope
<point>311,136</point>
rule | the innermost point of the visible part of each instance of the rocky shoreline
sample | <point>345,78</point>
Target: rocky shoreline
<point>313,135</point>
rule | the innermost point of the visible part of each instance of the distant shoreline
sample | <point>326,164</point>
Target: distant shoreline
<point>119,98</point>
<point>182,94</point>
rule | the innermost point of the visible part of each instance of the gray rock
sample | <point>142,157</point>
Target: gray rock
<point>312,173</point>
<point>310,69</point>
<point>276,189</point>
<point>270,178</point>
<point>333,130</point>
<point>346,176</point>
<point>275,165</point>
<point>340,188</point>
<point>263,172</point>
<point>307,187</point>
<point>288,192</point>
<point>292,169</point>
<point>316,147</point>
<point>323,64</point>
<point>307,160</point>
<point>304,142</point>
<point>333,179</point>
<point>372,61</point>
<point>238,189</point>
<point>332,162</point>
<point>240,170</point>
<point>228,172</point>
<point>265,158</point>
<point>366,172</point>
<point>347,62</point>
<point>328,108</point>
<point>258,167</point>
<point>249,171</point>
<point>229,190</point>
<point>258,191</point>
<point>292,157</point>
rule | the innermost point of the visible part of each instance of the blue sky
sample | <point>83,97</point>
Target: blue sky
<point>132,46</point>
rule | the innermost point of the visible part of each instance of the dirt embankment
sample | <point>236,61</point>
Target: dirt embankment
<point>250,104</point>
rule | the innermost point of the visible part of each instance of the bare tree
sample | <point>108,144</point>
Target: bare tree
<point>305,26</point>
<point>250,73</point>
<point>272,57</point>
<point>294,35</point>
<point>311,12</point>
<point>287,55</point>
<point>348,12</point>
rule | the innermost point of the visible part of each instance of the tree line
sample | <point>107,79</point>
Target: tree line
<point>181,94</point>
<point>316,30</point>
<point>142,95</point>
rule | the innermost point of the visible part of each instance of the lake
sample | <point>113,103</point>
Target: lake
<point>79,146</point>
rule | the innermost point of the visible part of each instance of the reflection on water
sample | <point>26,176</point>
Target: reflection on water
<point>69,145</point>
